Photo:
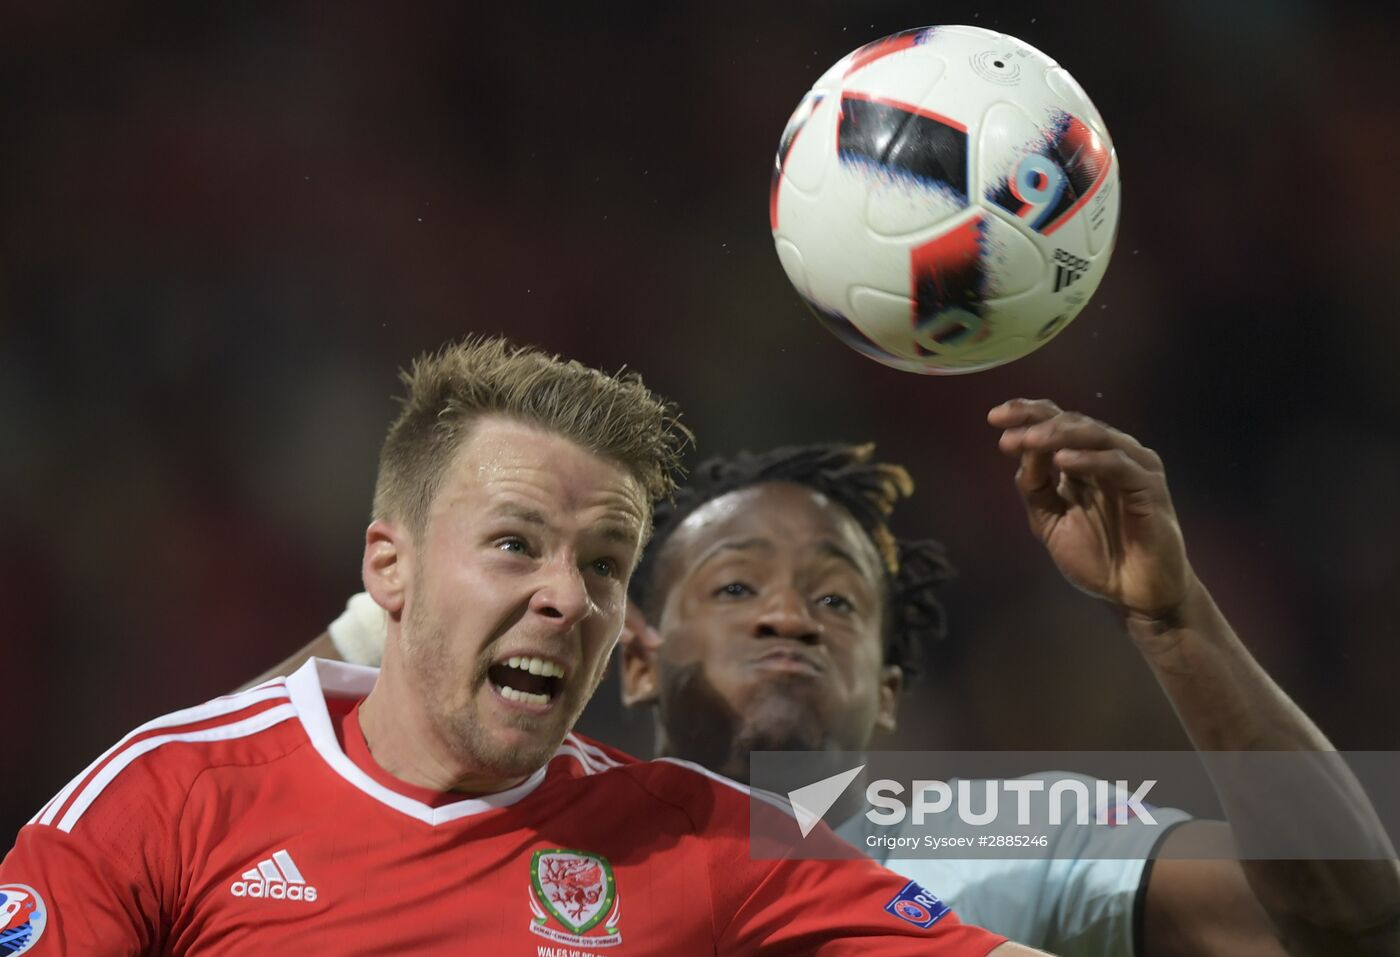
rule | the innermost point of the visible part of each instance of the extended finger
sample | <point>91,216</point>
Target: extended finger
<point>1111,468</point>
<point>1071,430</point>
<point>1016,413</point>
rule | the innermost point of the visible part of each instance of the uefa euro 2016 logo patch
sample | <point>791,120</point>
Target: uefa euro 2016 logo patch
<point>575,890</point>
<point>917,906</point>
<point>23,917</point>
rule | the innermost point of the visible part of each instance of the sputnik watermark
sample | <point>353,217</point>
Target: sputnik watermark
<point>1002,804</point>
<point>1068,800</point>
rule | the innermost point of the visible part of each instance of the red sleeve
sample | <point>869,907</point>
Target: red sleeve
<point>95,874</point>
<point>832,907</point>
<point>846,907</point>
<point>842,904</point>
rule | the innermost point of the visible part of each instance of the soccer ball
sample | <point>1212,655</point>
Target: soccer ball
<point>945,199</point>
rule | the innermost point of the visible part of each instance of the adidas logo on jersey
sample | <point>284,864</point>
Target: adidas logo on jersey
<point>276,878</point>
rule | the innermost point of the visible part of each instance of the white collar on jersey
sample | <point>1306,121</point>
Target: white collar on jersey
<point>318,679</point>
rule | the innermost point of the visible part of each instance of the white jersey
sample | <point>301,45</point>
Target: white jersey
<point>1070,903</point>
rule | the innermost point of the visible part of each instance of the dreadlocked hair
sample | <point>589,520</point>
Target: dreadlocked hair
<point>845,474</point>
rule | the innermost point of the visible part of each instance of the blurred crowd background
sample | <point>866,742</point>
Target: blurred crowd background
<point>223,227</point>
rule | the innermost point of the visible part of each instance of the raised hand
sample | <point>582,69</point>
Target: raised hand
<point>1098,500</point>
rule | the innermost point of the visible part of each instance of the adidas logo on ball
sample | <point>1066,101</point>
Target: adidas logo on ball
<point>1068,268</point>
<point>275,878</point>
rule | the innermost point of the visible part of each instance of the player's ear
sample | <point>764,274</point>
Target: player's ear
<point>891,684</point>
<point>637,659</point>
<point>385,567</point>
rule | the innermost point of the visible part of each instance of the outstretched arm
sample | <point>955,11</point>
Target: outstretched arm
<point>1098,500</point>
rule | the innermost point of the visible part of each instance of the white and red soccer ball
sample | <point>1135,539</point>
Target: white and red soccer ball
<point>945,199</point>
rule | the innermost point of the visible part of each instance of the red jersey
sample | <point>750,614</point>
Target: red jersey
<point>258,823</point>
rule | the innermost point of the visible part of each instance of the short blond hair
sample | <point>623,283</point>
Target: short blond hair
<point>445,392</point>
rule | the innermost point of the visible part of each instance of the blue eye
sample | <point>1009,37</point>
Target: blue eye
<point>605,567</point>
<point>733,590</point>
<point>515,546</point>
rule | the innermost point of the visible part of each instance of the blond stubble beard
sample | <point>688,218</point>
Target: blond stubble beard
<point>432,673</point>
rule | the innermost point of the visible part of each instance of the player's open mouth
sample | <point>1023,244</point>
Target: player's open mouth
<point>527,680</point>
